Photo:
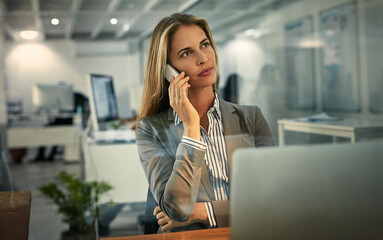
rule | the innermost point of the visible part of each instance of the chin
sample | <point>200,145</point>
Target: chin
<point>203,84</point>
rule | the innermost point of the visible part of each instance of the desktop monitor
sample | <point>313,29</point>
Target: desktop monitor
<point>308,192</point>
<point>53,97</point>
<point>103,102</point>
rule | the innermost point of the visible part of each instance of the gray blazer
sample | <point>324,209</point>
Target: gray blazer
<point>177,173</point>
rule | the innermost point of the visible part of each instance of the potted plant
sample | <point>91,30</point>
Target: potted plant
<point>76,200</point>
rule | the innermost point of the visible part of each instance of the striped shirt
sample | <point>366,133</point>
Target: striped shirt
<point>213,142</point>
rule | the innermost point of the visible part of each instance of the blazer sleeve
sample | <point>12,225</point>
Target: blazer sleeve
<point>173,180</point>
<point>222,212</point>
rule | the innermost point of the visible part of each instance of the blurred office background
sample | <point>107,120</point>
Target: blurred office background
<point>293,58</point>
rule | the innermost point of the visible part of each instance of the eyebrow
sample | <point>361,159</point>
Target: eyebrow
<point>187,48</point>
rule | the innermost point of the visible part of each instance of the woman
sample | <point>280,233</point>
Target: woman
<point>186,134</point>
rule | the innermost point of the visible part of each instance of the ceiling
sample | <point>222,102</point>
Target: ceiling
<point>90,19</point>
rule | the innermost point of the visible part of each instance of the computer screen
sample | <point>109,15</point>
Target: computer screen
<point>103,101</point>
<point>53,97</point>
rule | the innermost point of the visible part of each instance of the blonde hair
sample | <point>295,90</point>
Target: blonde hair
<point>155,97</point>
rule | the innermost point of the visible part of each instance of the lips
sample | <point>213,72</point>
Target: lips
<point>206,72</point>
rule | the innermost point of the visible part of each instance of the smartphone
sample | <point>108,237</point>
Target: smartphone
<point>169,72</point>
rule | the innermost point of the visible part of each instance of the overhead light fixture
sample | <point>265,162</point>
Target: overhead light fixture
<point>126,27</point>
<point>310,43</point>
<point>257,33</point>
<point>55,21</point>
<point>113,21</point>
<point>254,33</point>
<point>29,34</point>
<point>249,32</point>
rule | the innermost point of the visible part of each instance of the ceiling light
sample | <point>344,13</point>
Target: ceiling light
<point>55,21</point>
<point>28,35</point>
<point>249,32</point>
<point>126,27</point>
<point>113,21</point>
<point>256,33</point>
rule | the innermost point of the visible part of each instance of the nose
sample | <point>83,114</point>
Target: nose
<point>202,59</point>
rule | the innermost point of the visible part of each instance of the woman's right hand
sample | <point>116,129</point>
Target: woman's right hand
<point>179,101</point>
<point>198,215</point>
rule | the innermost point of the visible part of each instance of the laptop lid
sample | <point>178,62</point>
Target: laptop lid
<point>308,192</point>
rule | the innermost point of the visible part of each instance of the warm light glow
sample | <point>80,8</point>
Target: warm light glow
<point>249,32</point>
<point>308,43</point>
<point>126,27</point>
<point>28,35</point>
<point>256,33</point>
<point>55,21</point>
<point>253,33</point>
<point>113,21</point>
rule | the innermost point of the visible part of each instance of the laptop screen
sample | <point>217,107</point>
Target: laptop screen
<point>308,192</point>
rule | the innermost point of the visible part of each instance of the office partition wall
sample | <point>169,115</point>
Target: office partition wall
<point>340,66</point>
<point>374,38</point>
<point>299,58</point>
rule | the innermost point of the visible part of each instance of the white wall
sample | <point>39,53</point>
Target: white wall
<point>55,61</point>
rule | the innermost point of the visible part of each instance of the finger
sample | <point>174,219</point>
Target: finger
<point>163,221</point>
<point>178,78</point>
<point>173,92</point>
<point>182,82</point>
<point>171,95</point>
<point>184,89</point>
<point>157,209</point>
<point>181,86</point>
<point>166,227</point>
<point>160,215</point>
<point>178,82</point>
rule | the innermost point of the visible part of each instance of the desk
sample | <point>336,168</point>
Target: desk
<point>29,116</point>
<point>214,234</point>
<point>119,165</point>
<point>354,129</point>
<point>44,136</point>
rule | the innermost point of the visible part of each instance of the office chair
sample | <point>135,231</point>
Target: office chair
<point>15,208</point>
<point>148,220</point>
<point>230,91</point>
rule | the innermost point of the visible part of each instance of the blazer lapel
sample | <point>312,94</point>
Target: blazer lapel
<point>235,130</point>
<point>206,182</point>
<point>231,129</point>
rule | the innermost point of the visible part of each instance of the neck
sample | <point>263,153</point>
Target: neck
<point>201,99</point>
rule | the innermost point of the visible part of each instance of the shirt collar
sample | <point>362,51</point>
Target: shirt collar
<point>213,110</point>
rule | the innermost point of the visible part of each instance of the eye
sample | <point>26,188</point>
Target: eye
<point>185,54</point>
<point>205,44</point>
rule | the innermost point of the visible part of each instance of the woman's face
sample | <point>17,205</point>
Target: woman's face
<point>191,52</point>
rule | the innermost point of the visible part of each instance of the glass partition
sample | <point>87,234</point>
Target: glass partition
<point>313,67</point>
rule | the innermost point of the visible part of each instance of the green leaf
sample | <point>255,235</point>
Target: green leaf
<point>75,198</point>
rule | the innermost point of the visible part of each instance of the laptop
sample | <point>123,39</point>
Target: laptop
<point>308,192</point>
